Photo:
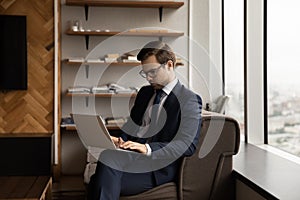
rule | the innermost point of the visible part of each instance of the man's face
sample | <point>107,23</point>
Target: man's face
<point>156,74</point>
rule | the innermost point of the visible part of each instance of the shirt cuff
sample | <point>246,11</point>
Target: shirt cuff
<point>148,150</point>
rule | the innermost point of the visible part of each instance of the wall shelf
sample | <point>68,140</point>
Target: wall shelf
<point>131,4</point>
<point>108,95</point>
<point>146,33</point>
<point>109,127</point>
<point>140,33</point>
<point>122,64</point>
<point>113,64</point>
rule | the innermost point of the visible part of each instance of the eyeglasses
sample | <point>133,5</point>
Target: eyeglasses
<point>151,73</point>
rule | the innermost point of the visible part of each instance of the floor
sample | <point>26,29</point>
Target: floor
<point>69,188</point>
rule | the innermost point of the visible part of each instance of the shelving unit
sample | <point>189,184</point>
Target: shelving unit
<point>132,4</point>
<point>140,33</point>
<point>73,47</point>
<point>108,33</point>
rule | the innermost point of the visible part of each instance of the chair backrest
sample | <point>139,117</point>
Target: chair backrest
<point>207,175</point>
<point>220,104</point>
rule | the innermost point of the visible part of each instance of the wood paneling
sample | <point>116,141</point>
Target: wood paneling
<point>31,111</point>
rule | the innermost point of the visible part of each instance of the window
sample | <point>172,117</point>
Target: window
<point>283,69</point>
<point>234,58</point>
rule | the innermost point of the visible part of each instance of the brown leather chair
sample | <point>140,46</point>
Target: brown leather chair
<point>207,175</point>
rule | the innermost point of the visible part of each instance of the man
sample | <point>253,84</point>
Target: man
<point>164,126</point>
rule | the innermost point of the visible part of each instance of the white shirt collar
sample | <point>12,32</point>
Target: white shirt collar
<point>169,87</point>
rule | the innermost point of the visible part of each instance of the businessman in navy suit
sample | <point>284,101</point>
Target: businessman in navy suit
<point>164,126</point>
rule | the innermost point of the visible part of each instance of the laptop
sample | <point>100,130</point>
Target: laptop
<point>93,132</point>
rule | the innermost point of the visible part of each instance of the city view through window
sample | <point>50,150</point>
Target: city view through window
<point>283,64</point>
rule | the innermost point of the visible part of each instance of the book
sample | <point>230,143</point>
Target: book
<point>79,89</point>
<point>115,120</point>
<point>102,89</point>
<point>94,60</point>
<point>130,61</point>
<point>112,55</point>
<point>75,59</point>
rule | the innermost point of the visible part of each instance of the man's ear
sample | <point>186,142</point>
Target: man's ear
<point>170,63</point>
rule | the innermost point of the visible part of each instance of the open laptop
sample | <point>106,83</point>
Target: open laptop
<point>93,132</point>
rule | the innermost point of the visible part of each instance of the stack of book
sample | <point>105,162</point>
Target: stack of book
<point>120,89</point>
<point>131,59</point>
<point>113,57</point>
<point>94,60</point>
<point>75,59</point>
<point>112,121</point>
<point>79,90</point>
<point>102,89</point>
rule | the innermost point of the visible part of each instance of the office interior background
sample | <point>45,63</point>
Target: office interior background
<point>246,50</point>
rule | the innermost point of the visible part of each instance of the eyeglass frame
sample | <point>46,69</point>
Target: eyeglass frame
<point>154,71</point>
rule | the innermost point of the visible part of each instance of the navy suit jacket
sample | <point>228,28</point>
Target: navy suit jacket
<point>179,128</point>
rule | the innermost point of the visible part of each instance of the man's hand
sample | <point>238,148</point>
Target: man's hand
<point>134,146</point>
<point>117,141</point>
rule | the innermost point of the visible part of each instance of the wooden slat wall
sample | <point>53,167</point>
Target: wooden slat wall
<point>31,111</point>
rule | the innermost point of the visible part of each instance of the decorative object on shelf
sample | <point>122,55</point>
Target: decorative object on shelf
<point>76,25</point>
<point>110,58</point>
<point>67,121</point>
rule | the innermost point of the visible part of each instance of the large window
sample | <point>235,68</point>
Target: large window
<point>233,11</point>
<point>283,74</point>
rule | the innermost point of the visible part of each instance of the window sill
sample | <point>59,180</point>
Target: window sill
<point>272,176</point>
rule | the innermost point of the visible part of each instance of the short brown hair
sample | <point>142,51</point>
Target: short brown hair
<point>162,52</point>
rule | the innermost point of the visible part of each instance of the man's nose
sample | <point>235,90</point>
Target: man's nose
<point>148,78</point>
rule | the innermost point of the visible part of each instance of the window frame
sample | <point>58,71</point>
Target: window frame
<point>255,72</point>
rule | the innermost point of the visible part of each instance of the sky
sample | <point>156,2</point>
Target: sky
<point>283,41</point>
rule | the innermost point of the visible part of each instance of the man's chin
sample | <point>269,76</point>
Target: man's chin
<point>156,86</point>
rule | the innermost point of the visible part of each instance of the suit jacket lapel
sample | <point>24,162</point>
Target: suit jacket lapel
<point>173,97</point>
<point>171,106</point>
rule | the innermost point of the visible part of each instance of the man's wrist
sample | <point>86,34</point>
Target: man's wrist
<point>148,153</point>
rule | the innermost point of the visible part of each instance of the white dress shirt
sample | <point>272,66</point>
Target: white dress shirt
<point>146,119</point>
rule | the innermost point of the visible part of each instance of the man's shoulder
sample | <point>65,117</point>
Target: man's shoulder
<point>146,88</point>
<point>145,92</point>
<point>184,91</point>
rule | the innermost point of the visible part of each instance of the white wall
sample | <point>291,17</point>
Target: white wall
<point>119,19</point>
<point>206,49</point>
<point>200,47</point>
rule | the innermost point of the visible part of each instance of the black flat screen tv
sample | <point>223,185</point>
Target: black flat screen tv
<point>13,53</point>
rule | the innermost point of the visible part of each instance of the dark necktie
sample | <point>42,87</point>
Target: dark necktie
<point>158,96</point>
<point>154,115</point>
<point>155,107</point>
